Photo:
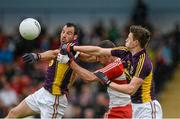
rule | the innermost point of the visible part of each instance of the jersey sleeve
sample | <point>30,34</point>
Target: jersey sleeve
<point>113,70</point>
<point>119,51</point>
<point>143,68</point>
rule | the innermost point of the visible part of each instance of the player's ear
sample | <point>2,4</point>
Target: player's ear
<point>138,43</point>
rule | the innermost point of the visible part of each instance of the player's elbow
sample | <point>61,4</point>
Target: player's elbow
<point>87,81</point>
<point>99,50</point>
<point>92,79</point>
<point>131,90</point>
<point>103,51</point>
<point>89,78</point>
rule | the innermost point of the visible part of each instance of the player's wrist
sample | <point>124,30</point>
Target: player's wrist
<point>103,78</point>
<point>71,49</point>
<point>71,60</point>
<point>108,83</point>
<point>38,56</point>
<point>71,57</point>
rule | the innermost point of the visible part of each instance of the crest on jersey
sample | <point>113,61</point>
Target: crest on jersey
<point>130,67</point>
<point>131,70</point>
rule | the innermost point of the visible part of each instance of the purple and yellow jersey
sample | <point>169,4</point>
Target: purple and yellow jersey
<point>126,59</point>
<point>60,77</point>
<point>138,65</point>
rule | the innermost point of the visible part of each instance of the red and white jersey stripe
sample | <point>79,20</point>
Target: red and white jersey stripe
<point>115,72</point>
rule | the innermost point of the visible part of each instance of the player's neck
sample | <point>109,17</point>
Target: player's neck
<point>136,50</point>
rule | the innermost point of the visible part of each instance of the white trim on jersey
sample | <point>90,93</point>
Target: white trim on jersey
<point>111,65</point>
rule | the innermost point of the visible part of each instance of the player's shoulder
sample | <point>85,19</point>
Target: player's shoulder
<point>113,65</point>
<point>145,61</point>
<point>117,61</point>
<point>121,48</point>
<point>144,66</point>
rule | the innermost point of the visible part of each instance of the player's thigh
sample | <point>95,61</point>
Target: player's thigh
<point>22,110</point>
<point>54,107</point>
<point>158,109</point>
<point>147,110</point>
<point>119,112</point>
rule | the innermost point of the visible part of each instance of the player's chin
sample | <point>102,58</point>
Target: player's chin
<point>63,42</point>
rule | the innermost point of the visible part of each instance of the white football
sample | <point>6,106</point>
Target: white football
<point>29,28</point>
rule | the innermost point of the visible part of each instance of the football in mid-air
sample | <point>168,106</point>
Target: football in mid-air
<point>29,28</point>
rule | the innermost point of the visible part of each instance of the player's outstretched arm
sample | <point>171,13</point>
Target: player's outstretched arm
<point>130,88</point>
<point>34,57</point>
<point>49,55</point>
<point>84,74</point>
<point>93,50</point>
<point>68,49</point>
<point>87,58</point>
<point>88,76</point>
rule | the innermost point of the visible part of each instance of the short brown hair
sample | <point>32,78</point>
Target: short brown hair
<point>141,34</point>
<point>76,29</point>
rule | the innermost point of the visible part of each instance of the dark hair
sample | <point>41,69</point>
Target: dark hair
<point>76,29</point>
<point>141,34</point>
<point>106,44</point>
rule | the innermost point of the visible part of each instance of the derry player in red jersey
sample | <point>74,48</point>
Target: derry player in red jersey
<point>112,72</point>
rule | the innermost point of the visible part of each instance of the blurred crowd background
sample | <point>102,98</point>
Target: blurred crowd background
<point>98,20</point>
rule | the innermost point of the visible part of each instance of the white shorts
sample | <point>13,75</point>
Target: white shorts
<point>147,110</point>
<point>48,105</point>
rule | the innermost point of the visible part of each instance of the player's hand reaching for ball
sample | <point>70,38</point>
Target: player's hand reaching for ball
<point>30,58</point>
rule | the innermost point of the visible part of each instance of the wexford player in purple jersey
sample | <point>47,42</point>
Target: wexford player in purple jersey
<point>138,69</point>
<point>50,101</point>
